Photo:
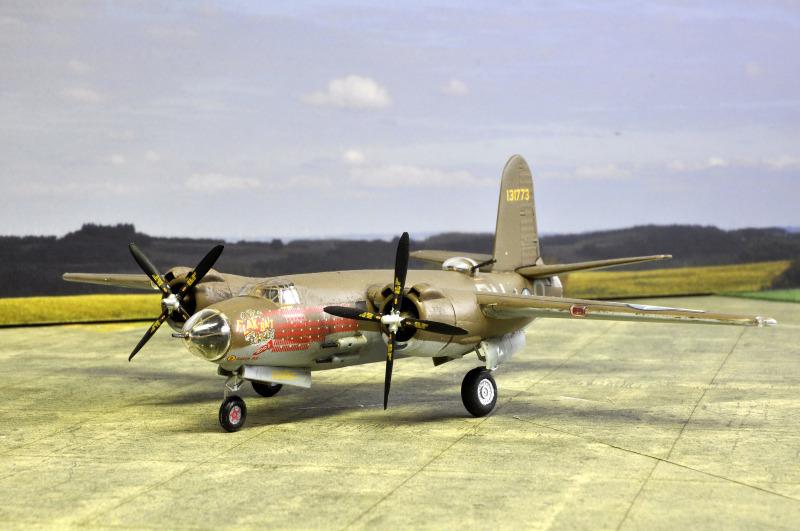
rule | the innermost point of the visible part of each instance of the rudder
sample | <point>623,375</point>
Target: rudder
<point>516,239</point>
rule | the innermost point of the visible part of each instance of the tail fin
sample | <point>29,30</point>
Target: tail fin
<point>516,238</point>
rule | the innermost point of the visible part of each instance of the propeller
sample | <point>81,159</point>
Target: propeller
<point>393,321</point>
<point>171,301</point>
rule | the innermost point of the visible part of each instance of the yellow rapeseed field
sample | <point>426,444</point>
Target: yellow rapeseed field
<point>681,281</point>
<point>79,308</point>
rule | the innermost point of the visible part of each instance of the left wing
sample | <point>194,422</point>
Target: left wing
<point>504,306</point>
<point>120,280</point>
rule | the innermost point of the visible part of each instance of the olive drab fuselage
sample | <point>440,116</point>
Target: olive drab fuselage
<point>280,322</point>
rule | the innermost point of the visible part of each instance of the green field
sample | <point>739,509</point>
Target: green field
<point>742,280</point>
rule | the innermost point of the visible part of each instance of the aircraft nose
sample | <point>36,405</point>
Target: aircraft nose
<point>207,334</point>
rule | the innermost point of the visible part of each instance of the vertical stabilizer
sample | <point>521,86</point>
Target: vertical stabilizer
<point>516,238</point>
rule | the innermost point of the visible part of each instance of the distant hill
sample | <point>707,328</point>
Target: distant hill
<point>33,265</point>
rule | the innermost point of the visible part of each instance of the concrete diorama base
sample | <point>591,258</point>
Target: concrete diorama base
<point>602,425</point>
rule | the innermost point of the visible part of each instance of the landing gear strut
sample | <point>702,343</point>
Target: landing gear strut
<point>479,392</point>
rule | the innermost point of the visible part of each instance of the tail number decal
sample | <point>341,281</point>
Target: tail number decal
<point>518,194</point>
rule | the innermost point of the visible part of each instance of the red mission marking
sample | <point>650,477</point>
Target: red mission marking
<point>294,330</point>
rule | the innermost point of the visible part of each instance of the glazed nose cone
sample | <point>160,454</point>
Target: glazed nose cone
<point>207,334</point>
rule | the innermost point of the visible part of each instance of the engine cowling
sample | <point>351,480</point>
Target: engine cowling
<point>210,290</point>
<point>421,301</point>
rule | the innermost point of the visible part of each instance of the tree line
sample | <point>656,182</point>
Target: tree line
<point>33,265</point>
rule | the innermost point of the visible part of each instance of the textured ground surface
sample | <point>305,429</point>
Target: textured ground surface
<point>599,425</point>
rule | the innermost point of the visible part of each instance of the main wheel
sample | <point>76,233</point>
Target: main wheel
<point>232,413</point>
<point>266,389</point>
<point>479,392</point>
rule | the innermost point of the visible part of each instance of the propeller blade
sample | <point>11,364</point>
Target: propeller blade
<point>400,271</point>
<point>434,327</point>
<point>387,381</point>
<point>170,302</point>
<point>150,331</point>
<point>148,267</point>
<point>201,270</point>
<point>352,313</point>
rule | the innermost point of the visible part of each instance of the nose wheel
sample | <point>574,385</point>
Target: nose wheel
<point>232,413</point>
<point>479,392</point>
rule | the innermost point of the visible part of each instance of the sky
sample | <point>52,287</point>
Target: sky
<point>261,120</point>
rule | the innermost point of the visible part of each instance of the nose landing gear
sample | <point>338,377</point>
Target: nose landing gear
<point>232,413</point>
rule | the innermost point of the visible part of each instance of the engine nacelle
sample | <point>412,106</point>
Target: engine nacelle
<point>497,350</point>
<point>421,301</point>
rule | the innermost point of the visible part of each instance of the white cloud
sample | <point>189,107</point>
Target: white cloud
<point>353,92</point>
<point>79,67</point>
<point>118,160</point>
<point>602,172</point>
<point>307,182</point>
<point>753,69</point>
<point>216,182</point>
<point>353,158</point>
<point>711,162</point>
<point>677,165</point>
<point>409,176</point>
<point>456,88</point>
<point>152,156</point>
<point>785,162</point>
<point>781,163</point>
<point>82,95</point>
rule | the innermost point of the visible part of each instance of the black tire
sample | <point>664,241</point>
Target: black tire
<point>266,389</point>
<point>479,392</point>
<point>232,413</point>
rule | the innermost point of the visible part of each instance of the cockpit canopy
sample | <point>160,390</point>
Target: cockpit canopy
<point>280,291</point>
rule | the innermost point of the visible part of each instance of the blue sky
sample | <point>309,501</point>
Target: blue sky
<point>305,119</point>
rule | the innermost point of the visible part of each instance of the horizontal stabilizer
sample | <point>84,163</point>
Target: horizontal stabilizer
<point>134,281</point>
<point>547,271</point>
<point>504,306</point>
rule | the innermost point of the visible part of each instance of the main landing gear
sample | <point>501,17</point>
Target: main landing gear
<point>479,392</point>
<point>233,412</point>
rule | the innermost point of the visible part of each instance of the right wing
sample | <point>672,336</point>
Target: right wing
<point>135,281</point>
<point>505,306</point>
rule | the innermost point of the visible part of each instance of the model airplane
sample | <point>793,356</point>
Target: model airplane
<point>277,331</point>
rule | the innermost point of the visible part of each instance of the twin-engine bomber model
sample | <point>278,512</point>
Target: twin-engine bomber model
<point>277,331</point>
